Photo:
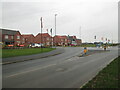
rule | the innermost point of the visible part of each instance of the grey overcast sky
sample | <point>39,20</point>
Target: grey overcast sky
<point>95,17</point>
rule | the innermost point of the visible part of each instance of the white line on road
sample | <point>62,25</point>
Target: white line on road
<point>30,70</point>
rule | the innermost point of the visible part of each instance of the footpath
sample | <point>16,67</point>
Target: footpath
<point>31,57</point>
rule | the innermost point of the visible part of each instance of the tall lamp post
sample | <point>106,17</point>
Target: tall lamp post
<point>51,37</point>
<point>41,33</point>
<point>55,30</point>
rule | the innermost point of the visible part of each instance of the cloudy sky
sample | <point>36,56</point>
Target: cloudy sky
<point>95,17</point>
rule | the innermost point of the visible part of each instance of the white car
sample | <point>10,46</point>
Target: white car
<point>36,45</point>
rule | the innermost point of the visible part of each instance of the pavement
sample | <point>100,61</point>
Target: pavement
<point>66,70</point>
<point>17,59</point>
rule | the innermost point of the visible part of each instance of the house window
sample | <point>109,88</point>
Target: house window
<point>23,42</point>
<point>47,38</point>
<point>18,42</point>
<point>65,39</point>
<point>11,37</point>
<point>6,36</point>
<point>47,43</point>
<point>18,37</point>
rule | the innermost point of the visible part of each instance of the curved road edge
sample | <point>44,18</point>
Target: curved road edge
<point>32,57</point>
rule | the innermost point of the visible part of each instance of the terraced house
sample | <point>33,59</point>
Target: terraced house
<point>12,37</point>
<point>44,39</point>
<point>60,40</point>
<point>74,41</point>
<point>29,39</point>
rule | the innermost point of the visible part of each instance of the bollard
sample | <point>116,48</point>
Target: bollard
<point>85,50</point>
<point>104,47</point>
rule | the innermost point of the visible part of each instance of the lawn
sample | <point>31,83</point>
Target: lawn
<point>20,52</point>
<point>88,45</point>
<point>106,78</point>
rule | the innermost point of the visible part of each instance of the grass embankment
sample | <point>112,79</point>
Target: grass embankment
<point>106,78</point>
<point>20,52</point>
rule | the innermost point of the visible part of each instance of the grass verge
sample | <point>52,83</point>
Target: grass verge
<point>106,78</point>
<point>21,52</point>
<point>88,45</point>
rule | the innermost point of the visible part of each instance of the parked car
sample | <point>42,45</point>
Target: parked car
<point>21,45</point>
<point>10,45</point>
<point>36,45</point>
<point>72,45</point>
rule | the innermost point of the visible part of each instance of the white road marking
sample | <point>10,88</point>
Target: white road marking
<point>30,70</point>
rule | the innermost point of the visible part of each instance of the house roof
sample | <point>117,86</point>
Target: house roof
<point>27,35</point>
<point>43,34</point>
<point>9,32</point>
<point>61,36</point>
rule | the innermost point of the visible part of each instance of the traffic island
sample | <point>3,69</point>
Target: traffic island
<point>90,52</point>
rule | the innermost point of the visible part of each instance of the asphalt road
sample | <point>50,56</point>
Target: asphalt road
<point>66,70</point>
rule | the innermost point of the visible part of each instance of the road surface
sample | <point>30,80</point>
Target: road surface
<point>66,70</point>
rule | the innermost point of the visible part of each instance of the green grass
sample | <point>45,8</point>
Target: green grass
<point>0,53</point>
<point>106,78</point>
<point>20,52</point>
<point>88,45</point>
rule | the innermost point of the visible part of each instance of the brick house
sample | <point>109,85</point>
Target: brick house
<point>29,39</point>
<point>60,40</point>
<point>79,41</point>
<point>74,41</point>
<point>46,39</point>
<point>12,37</point>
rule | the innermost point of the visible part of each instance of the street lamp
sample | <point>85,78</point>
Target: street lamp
<point>55,29</point>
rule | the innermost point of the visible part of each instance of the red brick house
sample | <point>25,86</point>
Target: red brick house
<point>29,39</point>
<point>79,41</point>
<point>60,40</point>
<point>46,39</point>
<point>12,37</point>
<point>74,41</point>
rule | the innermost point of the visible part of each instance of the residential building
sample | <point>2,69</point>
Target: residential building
<point>74,41</point>
<point>60,40</point>
<point>29,39</point>
<point>44,39</point>
<point>12,37</point>
<point>79,41</point>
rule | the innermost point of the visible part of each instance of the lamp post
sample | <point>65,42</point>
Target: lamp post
<point>51,37</point>
<point>55,29</point>
<point>41,33</point>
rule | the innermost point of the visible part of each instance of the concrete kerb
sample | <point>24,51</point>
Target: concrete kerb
<point>31,57</point>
